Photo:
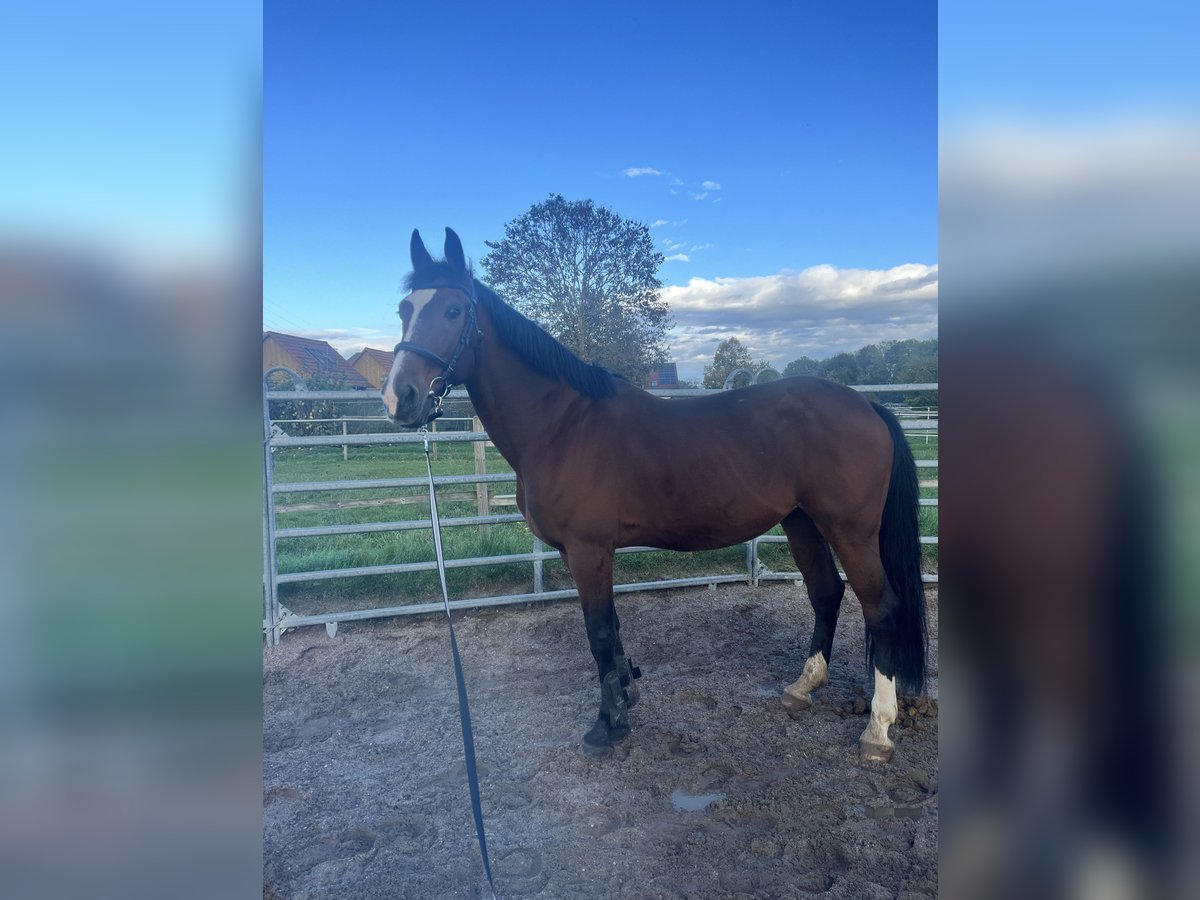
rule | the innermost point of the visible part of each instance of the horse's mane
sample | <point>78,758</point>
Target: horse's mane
<point>527,339</point>
<point>542,352</point>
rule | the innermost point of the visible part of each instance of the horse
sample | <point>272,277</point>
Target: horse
<point>602,464</point>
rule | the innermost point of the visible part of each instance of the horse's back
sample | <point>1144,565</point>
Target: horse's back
<point>696,473</point>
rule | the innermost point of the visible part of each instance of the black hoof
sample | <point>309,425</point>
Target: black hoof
<point>599,741</point>
<point>598,751</point>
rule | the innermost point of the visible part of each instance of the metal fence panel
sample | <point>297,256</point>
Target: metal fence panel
<point>276,618</point>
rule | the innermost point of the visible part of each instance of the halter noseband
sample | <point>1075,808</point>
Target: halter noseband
<point>438,394</point>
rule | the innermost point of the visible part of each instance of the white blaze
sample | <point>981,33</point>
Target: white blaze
<point>418,299</point>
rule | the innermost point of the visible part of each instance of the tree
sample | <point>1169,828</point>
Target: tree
<point>730,355</point>
<point>842,368</point>
<point>805,365</point>
<point>298,415</point>
<point>888,362</point>
<point>920,369</point>
<point>872,369</point>
<point>590,278</point>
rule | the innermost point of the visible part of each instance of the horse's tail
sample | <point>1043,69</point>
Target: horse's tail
<point>900,550</point>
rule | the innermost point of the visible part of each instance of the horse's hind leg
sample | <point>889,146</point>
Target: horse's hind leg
<point>592,568</point>
<point>811,553</point>
<point>864,570</point>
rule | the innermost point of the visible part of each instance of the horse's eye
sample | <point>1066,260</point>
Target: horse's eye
<point>453,312</point>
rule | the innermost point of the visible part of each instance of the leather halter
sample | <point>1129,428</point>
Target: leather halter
<point>469,331</point>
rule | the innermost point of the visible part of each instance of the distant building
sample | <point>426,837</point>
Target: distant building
<point>310,358</point>
<point>664,377</point>
<point>374,365</point>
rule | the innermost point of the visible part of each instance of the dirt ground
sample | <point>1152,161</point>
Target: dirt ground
<point>716,793</point>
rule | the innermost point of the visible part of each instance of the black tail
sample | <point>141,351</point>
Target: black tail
<point>900,550</point>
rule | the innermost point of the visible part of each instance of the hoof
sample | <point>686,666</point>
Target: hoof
<point>595,751</point>
<point>599,741</point>
<point>871,752</point>
<point>796,704</point>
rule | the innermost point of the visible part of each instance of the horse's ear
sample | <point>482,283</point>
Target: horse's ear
<point>454,250</point>
<point>420,256</point>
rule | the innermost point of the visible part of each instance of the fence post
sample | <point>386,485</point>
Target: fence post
<point>273,610</point>
<point>537,566</point>
<point>481,490</point>
<point>345,447</point>
<point>433,428</point>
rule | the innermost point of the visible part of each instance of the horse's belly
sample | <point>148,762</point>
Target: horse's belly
<point>697,534</point>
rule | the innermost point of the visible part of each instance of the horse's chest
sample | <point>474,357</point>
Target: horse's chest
<point>551,516</point>
<point>541,532</point>
<point>534,522</point>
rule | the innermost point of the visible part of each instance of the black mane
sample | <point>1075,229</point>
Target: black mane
<point>542,352</point>
<point>527,339</point>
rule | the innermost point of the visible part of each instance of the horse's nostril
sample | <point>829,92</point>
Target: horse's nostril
<point>409,396</point>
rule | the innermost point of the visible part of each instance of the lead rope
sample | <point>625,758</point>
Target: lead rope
<point>464,709</point>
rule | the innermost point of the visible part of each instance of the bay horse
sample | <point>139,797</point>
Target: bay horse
<point>602,464</point>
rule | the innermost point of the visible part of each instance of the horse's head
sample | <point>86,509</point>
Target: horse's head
<point>439,324</point>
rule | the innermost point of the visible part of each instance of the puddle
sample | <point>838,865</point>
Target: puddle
<point>685,802</point>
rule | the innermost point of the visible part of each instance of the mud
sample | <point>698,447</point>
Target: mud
<point>717,792</point>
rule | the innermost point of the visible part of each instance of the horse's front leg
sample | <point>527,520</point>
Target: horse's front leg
<point>592,568</point>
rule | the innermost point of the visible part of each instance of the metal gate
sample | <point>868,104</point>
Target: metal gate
<point>277,618</point>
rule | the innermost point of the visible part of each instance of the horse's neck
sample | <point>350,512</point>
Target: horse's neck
<point>520,409</point>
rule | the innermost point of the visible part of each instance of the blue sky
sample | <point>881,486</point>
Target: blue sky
<point>130,125</point>
<point>780,137</point>
<point>1067,61</point>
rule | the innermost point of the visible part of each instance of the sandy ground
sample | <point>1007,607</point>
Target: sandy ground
<point>716,793</point>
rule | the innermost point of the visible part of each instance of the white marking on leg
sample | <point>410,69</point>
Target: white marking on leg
<point>815,674</point>
<point>884,710</point>
<point>418,299</point>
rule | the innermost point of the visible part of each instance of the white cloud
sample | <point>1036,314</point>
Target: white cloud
<point>711,186</point>
<point>816,312</point>
<point>679,257</point>
<point>639,170</point>
<point>658,223</point>
<point>1028,199</point>
<point>701,195</point>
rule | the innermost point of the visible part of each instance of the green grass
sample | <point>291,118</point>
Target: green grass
<point>307,554</point>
